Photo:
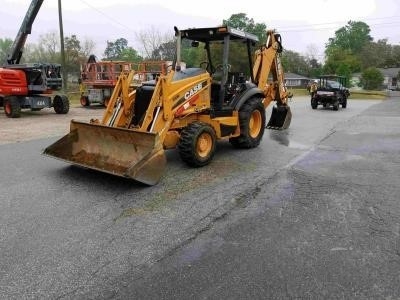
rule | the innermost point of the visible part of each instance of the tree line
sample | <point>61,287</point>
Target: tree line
<point>350,50</point>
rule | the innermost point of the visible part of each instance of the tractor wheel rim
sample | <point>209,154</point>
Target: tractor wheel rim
<point>204,145</point>
<point>255,124</point>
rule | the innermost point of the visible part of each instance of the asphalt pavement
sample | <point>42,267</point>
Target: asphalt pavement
<point>311,213</point>
<point>326,227</point>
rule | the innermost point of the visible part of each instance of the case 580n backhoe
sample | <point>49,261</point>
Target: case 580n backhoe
<point>223,98</point>
<point>29,85</point>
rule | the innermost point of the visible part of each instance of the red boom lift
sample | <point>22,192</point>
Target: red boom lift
<point>29,85</point>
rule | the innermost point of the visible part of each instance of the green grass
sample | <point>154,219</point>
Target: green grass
<point>74,98</point>
<point>299,92</point>
<point>368,95</point>
<point>73,95</point>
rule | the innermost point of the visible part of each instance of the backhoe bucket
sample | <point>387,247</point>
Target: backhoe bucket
<point>280,118</point>
<point>118,151</point>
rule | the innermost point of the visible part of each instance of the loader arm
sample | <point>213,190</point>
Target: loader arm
<point>114,145</point>
<point>119,111</point>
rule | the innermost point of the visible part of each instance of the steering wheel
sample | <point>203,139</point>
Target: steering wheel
<point>220,67</point>
<point>204,65</point>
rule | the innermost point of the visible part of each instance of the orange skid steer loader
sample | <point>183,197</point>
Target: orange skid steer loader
<point>224,97</point>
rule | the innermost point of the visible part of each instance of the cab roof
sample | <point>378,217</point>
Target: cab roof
<point>217,34</point>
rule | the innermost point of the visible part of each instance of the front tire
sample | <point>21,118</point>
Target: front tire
<point>12,107</point>
<point>197,144</point>
<point>336,105</point>
<point>344,103</point>
<point>314,103</point>
<point>252,124</point>
<point>61,104</point>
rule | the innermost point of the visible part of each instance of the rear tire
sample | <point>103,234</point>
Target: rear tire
<point>61,104</point>
<point>197,144</point>
<point>85,101</point>
<point>252,124</point>
<point>12,108</point>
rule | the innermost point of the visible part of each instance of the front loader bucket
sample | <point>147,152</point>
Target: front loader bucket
<point>280,118</point>
<point>118,151</point>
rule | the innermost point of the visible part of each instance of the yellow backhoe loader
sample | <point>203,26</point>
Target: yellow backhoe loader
<point>189,109</point>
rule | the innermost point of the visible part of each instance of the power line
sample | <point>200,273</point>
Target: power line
<point>107,16</point>
<point>306,28</point>
<point>285,29</point>
<point>324,29</point>
<point>338,23</point>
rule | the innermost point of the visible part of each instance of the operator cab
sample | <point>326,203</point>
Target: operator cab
<point>227,56</point>
<point>223,52</point>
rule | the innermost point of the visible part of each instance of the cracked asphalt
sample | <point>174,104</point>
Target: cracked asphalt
<point>311,213</point>
<point>325,227</point>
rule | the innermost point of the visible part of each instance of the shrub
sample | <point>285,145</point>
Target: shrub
<point>371,79</point>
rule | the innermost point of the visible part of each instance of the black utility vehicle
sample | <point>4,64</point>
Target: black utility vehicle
<point>331,92</point>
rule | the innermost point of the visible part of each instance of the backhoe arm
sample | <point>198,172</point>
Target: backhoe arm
<point>269,76</point>
<point>267,61</point>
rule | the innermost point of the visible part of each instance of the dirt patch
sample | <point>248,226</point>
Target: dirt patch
<point>43,124</point>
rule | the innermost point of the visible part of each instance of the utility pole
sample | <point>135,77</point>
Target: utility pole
<point>64,73</point>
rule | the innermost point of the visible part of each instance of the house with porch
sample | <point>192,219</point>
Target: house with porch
<point>293,80</point>
<point>390,78</point>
